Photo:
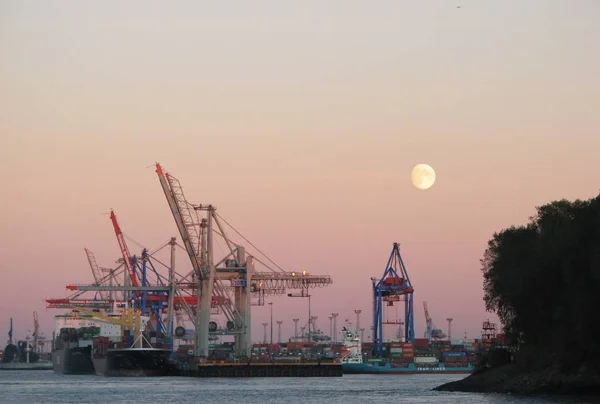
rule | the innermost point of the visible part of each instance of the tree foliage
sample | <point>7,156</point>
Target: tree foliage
<point>543,281</point>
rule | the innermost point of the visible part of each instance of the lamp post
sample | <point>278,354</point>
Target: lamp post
<point>357,319</point>
<point>279,322</point>
<point>265,336</point>
<point>449,320</point>
<point>271,304</point>
<point>296,328</point>
<point>303,293</point>
<point>334,315</point>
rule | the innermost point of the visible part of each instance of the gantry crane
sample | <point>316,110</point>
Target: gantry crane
<point>390,288</point>
<point>196,225</point>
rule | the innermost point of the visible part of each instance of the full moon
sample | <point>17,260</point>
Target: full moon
<point>422,176</point>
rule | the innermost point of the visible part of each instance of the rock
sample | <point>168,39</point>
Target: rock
<point>512,379</point>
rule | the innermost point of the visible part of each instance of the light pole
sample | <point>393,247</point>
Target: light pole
<point>357,319</point>
<point>449,328</point>
<point>271,304</point>
<point>296,328</point>
<point>362,334</point>
<point>309,321</point>
<point>279,322</point>
<point>334,315</point>
<point>303,293</point>
<point>331,329</point>
<point>265,337</point>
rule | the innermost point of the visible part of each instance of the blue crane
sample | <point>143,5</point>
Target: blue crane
<point>394,284</point>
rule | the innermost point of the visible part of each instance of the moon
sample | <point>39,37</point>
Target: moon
<point>422,176</point>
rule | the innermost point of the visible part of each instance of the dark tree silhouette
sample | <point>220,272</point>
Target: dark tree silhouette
<point>543,281</point>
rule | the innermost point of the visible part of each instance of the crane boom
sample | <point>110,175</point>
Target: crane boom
<point>96,271</point>
<point>124,249</point>
<point>188,239</point>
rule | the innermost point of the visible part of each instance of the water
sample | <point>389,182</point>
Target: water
<point>30,387</point>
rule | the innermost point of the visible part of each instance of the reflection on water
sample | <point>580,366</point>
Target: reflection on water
<point>29,387</point>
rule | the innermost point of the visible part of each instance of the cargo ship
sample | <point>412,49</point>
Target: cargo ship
<point>121,359</point>
<point>130,350</point>
<point>89,342</point>
<point>353,361</point>
<point>72,344</point>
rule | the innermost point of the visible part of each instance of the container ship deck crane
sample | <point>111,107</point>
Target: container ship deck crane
<point>390,288</point>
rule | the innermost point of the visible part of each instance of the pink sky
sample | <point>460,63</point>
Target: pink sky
<point>301,124</point>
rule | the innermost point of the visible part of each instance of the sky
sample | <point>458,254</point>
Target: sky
<point>301,122</point>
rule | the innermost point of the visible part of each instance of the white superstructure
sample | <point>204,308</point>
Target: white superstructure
<point>352,352</point>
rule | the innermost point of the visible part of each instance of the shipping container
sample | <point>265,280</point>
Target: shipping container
<point>426,359</point>
<point>453,354</point>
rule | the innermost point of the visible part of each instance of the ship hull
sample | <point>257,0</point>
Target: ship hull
<point>366,368</point>
<point>135,362</point>
<point>73,361</point>
<point>40,365</point>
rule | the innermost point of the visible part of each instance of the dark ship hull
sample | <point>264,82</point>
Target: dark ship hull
<point>73,361</point>
<point>135,362</point>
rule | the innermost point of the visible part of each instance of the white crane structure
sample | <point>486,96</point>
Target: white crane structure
<point>197,225</point>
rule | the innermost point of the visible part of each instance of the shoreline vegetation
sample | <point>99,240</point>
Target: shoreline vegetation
<point>542,279</point>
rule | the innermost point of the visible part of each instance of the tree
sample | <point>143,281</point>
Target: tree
<point>542,279</point>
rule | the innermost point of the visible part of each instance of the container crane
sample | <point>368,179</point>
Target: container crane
<point>431,333</point>
<point>99,274</point>
<point>196,225</point>
<point>393,285</point>
<point>36,329</point>
<point>127,259</point>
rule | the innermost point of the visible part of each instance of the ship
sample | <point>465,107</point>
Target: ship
<point>132,361</point>
<point>353,361</point>
<point>72,344</point>
<point>22,357</point>
<point>130,350</point>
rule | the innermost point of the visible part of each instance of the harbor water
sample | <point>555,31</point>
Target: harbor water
<point>34,387</point>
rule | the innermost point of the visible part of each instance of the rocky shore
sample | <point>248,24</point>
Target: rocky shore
<point>512,379</point>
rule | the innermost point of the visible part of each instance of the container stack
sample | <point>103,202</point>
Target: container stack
<point>455,359</point>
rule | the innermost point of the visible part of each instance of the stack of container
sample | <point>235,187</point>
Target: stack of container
<point>455,359</point>
<point>428,361</point>
<point>101,346</point>
<point>395,350</point>
<point>408,353</point>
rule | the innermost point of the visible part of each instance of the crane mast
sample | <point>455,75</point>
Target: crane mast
<point>191,236</point>
<point>36,329</point>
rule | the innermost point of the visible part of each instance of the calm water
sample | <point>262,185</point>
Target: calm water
<point>29,387</point>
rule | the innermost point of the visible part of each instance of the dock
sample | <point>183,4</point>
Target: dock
<point>306,369</point>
